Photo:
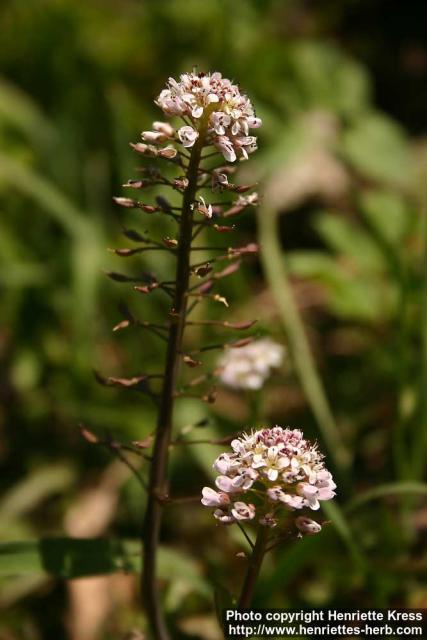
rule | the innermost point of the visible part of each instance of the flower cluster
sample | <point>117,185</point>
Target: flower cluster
<point>276,468</point>
<point>230,113</point>
<point>248,367</point>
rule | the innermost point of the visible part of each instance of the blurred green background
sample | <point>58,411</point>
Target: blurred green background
<point>341,88</point>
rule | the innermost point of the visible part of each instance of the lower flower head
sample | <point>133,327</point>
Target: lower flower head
<point>268,474</point>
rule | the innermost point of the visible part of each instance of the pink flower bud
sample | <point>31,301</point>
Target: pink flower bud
<point>153,136</point>
<point>165,128</point>
<point>212,498</point>
<point>307,526</point>
<point>168,152</point>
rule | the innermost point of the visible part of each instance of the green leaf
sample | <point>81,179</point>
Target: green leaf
<point>36,487</point>
<point>348,295</point>
<point>383,490</point>
<point>328,79</point>
<point>70,558</point>
<point>377,147</point>
<point>347,238</point>
<point>67,557</point>
<point>335,513</point>
<point>19,110</point>
<point>387,213</point>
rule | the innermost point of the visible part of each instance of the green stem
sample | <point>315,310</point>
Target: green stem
<point>254,567</point>
<point>420,441</point>
<point>274,266</point>
<point>158,481</point>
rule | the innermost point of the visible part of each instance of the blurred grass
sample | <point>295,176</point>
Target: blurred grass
<point>343,165</point>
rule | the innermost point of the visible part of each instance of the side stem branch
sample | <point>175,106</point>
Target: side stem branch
<point>253,569</point>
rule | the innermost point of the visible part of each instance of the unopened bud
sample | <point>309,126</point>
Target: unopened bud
<point>167,152</point>
<point>126,202</point>
<point>153,136</point>
<point>308,526</point>
<point>165,128</point>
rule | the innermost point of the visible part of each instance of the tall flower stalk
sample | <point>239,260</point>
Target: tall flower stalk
<point>215,116</point>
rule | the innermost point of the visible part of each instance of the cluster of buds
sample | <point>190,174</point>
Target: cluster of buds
<point>250,366</point>
<point>270,473</point>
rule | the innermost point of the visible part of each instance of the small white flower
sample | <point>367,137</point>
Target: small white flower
<point>224,464</point>
<point>248,367</point>
<point>243,511</point>
<point>226,147</point>
<point>220,121</point>
<point>310,493</point>
<point>188,136</point>
<point>246,201</point>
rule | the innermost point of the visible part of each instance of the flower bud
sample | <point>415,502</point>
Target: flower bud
<point>307,526</point>
<point>165,128</point>
<point>168,152</point>
<point>153,136</point>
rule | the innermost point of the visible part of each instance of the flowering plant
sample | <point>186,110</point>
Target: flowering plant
<point>215,119</point>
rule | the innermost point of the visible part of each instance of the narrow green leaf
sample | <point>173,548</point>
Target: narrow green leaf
<point>70,558</point>
<point>383,490</point>
<point>223,599</point>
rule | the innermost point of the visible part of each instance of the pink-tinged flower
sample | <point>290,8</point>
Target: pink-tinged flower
<point>226,147</point>
<point>283,472</point>
<point>291,500</point>
<point>188,136</point>
<point>204,209</point>
<point>307,526</point>
<point>220,121</point>
<point>219,181</point>
<point>224,464</point>
<point>310,493</point>
<point>243,511</point>
<point>213,498</point>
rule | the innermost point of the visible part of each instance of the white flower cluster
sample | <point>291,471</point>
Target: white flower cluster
<point>248,367</point>
<point>230,113</point>
<point>279,470</point>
